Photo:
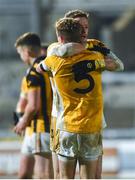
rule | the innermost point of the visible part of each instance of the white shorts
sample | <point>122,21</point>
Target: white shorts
<point>82,146</point>
<point>36,143</point>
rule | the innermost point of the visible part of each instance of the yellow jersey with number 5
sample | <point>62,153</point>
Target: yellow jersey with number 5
<point>79,89</point>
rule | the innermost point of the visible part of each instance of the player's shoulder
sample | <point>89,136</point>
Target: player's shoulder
<point>23,80</point>
<point>94,42</point>
<point>37,61</point>
<point>32,71</point>
<point>54,44</point>
<point>24,84</point>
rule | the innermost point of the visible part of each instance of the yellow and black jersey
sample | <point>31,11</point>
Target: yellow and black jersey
<point>96,45</point>
<point>24,88</point>
<point>41,122</point>
<point>79,90</point>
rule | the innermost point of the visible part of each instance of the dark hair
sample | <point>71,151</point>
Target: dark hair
<point>70,28</point>
<point>28,39</point>
<point>76,13</point>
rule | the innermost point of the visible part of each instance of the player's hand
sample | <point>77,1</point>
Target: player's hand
<point>20,127</point>
<point>110,64</point>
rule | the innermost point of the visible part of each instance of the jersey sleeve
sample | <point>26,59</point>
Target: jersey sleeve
<point>96,45</point>
<point>48,64</point>
<point>24,88</point>
<point>33,79</point>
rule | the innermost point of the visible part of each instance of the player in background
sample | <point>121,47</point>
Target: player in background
<point>70,49</point>
<point>63,69</point>
<point>34,105</point>
<point>44,47</point>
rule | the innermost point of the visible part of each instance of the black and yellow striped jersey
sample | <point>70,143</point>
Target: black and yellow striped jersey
<point>41,121</point>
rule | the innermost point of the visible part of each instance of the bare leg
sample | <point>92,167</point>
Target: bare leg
<point>55,165</point>
<point>26,167</point>
<point>87,169</point>
<point>43,166</point>
<point>99,168</point>
<point>67,168</point>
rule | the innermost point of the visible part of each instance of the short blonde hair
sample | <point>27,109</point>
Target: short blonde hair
<point>70,28</point>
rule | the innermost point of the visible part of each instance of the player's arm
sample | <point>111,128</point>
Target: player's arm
<point>33,102</point>
<point>41,68</point>
<point>22,102</point>
<point>46,65</point>
<point>110,64</point>
<point>32,108</point>
<point>65,50</point>
<point>107,63</point>
<point>33,105</point>
<point>103,63</point>
<point>69,49</point>
<point>113,63</point>
<point>20,108</point>
<point>97,65</point>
